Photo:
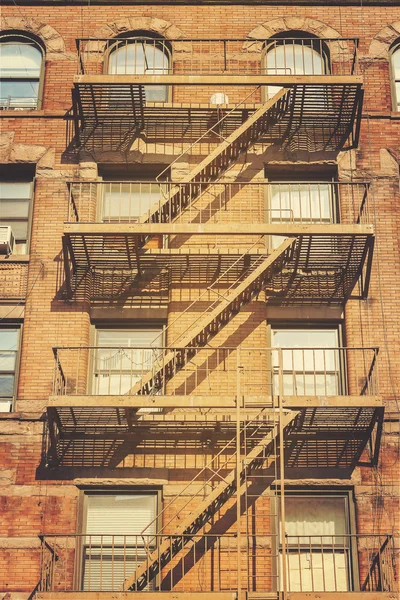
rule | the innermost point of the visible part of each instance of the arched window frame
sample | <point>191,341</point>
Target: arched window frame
<point>395,81</point>
<point>318,44</point>
<point>7,37</point>
<point>144,36</point>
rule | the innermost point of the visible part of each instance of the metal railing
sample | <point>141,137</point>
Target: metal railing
<point>96,370</point>
<point>326,563</point>
<point>209,562</point>
<point>236,56</point>
<point>223,202</point>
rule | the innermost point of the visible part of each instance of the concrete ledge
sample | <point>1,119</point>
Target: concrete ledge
<point>342,595</point>
<point>137,595</point>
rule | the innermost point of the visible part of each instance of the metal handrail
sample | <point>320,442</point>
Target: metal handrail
<point>346,49</point>
<point>301,201</point>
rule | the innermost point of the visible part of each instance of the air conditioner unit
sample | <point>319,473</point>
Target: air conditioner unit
<point>5,405</point>
<point>6,239</point>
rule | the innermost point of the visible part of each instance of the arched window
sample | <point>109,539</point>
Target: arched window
<point>21,70</point>
<point>141,55</point>
<point>395,74</point>
<point>294,53</point>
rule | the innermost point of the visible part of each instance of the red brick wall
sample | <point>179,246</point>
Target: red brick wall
<point>31,504</point>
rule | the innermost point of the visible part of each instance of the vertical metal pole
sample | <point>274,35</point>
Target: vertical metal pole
<point>238,468</point>
<point>282,476</point>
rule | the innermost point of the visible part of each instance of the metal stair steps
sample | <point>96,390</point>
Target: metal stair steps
<point>221,314</point>
<point>206,509</point>
<point>213,166</point>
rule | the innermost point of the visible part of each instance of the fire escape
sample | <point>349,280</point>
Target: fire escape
<point>257,429</point>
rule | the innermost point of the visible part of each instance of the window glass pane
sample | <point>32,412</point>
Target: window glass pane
<point>129,201</point>
<point>19,228</point>
<point>105,568</point>
<point>141,58</point>
<point>120,514</point>
<point>315,516</point>
<point>317,359</point>
<point>6,384</point>
<point>9,338</point>
<point>133,338</point>
<point>10,190</point>
<point>398,94</point>
<point>314,371</point>
<point>8,356</point>
<point>309,384</point>
<point>19,94</point>
<point>396,63</point>
<point>112,552</point>
<point>306,202</point>
<point>138,58</point>
<point>118,367</point>
<point>21,60</point>
<point>294,59</point>
<point>291,58</point>
<point>318,571</point>
<point>14,209</point>
<point>290,338</point>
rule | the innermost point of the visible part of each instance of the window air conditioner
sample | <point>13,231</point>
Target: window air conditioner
<point>6,239</point>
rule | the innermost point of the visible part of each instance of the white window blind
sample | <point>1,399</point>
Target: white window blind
<point>317,544</point>
<point>120,514</point>
<point>123,357</point>
<point>113,547</point>
<point>311,361</point>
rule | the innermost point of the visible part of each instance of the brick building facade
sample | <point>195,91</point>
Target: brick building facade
<point>199,274</point>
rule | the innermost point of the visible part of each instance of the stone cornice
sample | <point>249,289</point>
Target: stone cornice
<point>355,3</point>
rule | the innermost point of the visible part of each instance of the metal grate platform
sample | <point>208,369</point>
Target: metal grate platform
<point>111,117</point>
<point>325,267</point>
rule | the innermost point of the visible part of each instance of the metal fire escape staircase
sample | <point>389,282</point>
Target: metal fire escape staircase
<point>222,311</point>
<point>226,153</point>
<point>182,537</point>
<point>219,314</point>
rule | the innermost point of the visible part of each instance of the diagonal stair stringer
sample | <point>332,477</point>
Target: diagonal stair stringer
<point>203,513</point>
<point>216,163</point>
<point>219,316</point>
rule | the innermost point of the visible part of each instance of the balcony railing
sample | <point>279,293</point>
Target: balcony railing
<point>95,370</point>
<point>325,563</point>
<point>96,562</point>
<point>272,57</point>
<point>321,203</point>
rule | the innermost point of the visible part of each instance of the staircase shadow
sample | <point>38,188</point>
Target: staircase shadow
<point>217,529</point>
<point>214,360</point>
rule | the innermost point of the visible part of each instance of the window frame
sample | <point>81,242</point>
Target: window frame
<point>293,35</point>
<point>32,182</point>
<point>395,101</point>
<point>144,36</point>
<point>314,325</point>
<point>14,325</point>
<point>84,493</point>
<point>115,326</point>
<point>300,179</point>
<point>22,37</point>
<point>351,523</point>
<point>301,36</point>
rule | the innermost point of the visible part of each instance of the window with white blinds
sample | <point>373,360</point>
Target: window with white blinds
<point>317,543</point>
<point>122,357</point>
<point>312,362</point>
<point>112,546</point>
